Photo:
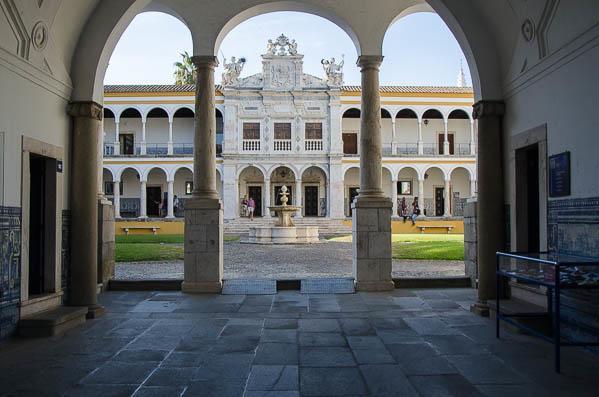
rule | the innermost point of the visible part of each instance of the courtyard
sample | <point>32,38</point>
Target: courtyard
<point>400,343</point>
<point>415,256</point>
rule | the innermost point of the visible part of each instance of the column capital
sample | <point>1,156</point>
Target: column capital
<point>369,61</point>
<point>488,108</point>
<point>205,61</point>
<point>88,109</point>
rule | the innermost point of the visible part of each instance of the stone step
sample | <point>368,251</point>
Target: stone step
<point>52,322</point>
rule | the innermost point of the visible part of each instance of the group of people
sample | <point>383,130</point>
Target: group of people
<point>163,205</point>
<point>248,205</point>
<point>405,213</point>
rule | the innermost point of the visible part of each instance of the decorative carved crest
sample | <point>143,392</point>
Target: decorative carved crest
<point>281,46</point>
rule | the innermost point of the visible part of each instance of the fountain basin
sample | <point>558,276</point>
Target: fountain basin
<point>283,235</point>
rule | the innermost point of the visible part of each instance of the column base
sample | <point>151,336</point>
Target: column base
<point>480,308</point>
<point>95,311</point>
<point>375,286</point>
<point>210,287</point>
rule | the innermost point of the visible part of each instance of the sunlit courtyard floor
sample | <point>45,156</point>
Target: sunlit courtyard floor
<point>402,343</point>
<point>327,259</point>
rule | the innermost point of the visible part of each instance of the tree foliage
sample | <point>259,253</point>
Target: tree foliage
<point>185,72</point>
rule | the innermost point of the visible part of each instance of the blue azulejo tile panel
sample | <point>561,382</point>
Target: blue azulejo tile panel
<point>10,268</point>
<point>65,262</point>
<point>573,226</point>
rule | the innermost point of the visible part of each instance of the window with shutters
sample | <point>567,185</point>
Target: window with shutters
<point>282,130</point>
<point>313,130</point>
<point>251,130</point>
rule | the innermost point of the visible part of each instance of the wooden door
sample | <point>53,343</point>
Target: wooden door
<point>127,144</point>
<point>311,200</point>
<point>37,216</point>
<point>350,143</point>
<point>255,192</point>
<point>450,139</point>
<point>153,200</point>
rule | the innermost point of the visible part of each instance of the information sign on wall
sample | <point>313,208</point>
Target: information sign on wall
<point>559,175</point>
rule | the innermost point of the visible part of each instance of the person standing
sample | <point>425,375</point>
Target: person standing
<point>404,210</point>
<point>415,211</point>
<point>244,206</point>
<point>251,204</point>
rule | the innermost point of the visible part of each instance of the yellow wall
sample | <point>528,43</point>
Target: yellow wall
<point>398,227</point>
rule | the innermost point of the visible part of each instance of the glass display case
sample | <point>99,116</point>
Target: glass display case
<point>556,272</point>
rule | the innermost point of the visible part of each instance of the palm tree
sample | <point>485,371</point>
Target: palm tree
<point>185,70</point>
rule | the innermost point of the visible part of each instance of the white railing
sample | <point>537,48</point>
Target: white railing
<point>251,145</point>
<point>313,145</point>
<point>282,145</point>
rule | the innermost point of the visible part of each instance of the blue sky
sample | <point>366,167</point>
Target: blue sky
<point>419,49</point>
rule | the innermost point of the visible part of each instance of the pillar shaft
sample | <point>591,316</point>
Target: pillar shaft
<point>143,205</point>
<point>394,212</point>
<point>445,139</point>
<point>117,142</point>
<point>265,210</point>
<point>170,210</point>
<point>490,210</point>
<point>421,196</point>
<point>117,198</point>
<point>143,137</point>
<point>447,198</point>
<point>420,143</point>
<point>298,197</point>
<point>472,146</point>
<point>87,125</point>
<point>170,138</point>
<point>371,225</point>
<point>203,258</point>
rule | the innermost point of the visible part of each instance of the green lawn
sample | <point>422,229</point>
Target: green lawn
<point>424,246</point>
<point>148,247</point>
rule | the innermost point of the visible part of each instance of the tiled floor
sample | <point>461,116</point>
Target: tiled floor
<point>404,343</point>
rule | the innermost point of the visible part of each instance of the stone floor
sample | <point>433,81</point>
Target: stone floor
<point>328,259</point>
<point>403,343</point>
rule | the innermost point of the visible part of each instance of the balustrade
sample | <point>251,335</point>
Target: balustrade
<point>250,145</point>
<point>313,145</point>
<point>282,145</point>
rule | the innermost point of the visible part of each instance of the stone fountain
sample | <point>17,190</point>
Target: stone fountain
<point>283,231</point>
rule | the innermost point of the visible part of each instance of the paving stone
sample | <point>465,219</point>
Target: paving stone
<point>276,354</point>
<point>279,335</point>
<point>100,391</point>
<point>365,342</point>
<point>234,344</point>
<point>430,326</point>
<point>159,391</point>
<point>273,378</point>
<point>215,388</point>
<point>115,373</point>
<point>280,323</point>
<point>420,359</point>
<point>140,355</point>
<point>444,386</point>
<point>184,359</point>
<point>331,382</point>
<point>454,344</point>
<point>241,330</point>
<point>326,357</point>
<point>485,368</point>
<point>171,376</point>
<point>226,367</point>
<point>387,380</point>
<point>319,325</point>
<point>373,356</point>
<point>356,327</point>
<point>307,339</point>
<point>261,393</point>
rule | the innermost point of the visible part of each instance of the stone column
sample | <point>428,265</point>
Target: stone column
<point>265,210</point>
<point>371,243</point>
<point>87,127</point>
<point>335,196</point>
<point>170,137</point>
<point>447,199</point>
<point>420,143</point>
<point>143,204</point>
<point>170,209</point>
<point>472,187</point>
<point>421,198</point>
<point>393,143</point>
<point>394,198</point>
<point>117,198</point>
<point>117,142</point>
<point>472,145</point>
<point>298,197</point>
<point>445,138</point>
<point>143,137</point>
<point>230,196</point>
<point>203,260</point>
<point>490,202</point>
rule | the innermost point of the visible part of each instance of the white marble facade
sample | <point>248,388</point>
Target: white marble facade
<point>283,126</point>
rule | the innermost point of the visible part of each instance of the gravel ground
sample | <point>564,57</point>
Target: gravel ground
<point>327,259</point>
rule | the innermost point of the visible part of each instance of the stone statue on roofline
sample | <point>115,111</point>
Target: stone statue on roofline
<point>281,46</point>
<point>232,71</point>
<point>333,71</point>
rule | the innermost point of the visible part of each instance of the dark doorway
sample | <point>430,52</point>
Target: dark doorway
<point>527,198</point>
<point>153,200</point>
<point>353,192</point>
<point>127,143</point>
<point>439,201</point>
<point>255,192</point>
<point>37,230</point>
<point>278,195</point>
<point>350,143</point>
<point>311,200</point>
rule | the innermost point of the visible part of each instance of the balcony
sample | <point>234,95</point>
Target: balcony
<point>183,149</point>
<point>250,145</point>
<point>407,149</point>
<point>282,145</point>
<point>313,145</point>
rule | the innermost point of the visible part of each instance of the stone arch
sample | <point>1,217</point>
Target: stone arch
<point>265,8</point>
<point>278,166</point>
<point>307,166</point>
<point>259,167</point>
<point>419,175</point>
<point>458,113</point>
<point>128,167</point>
<point>112,174</point>
<point>130,109</point>
<point>171,175</point>
<point>350,168</point>
<point>435,167</point>
<point>461,167</point>
<point>156,107</point>
<point>405,111</point>
<point>155,167</point>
